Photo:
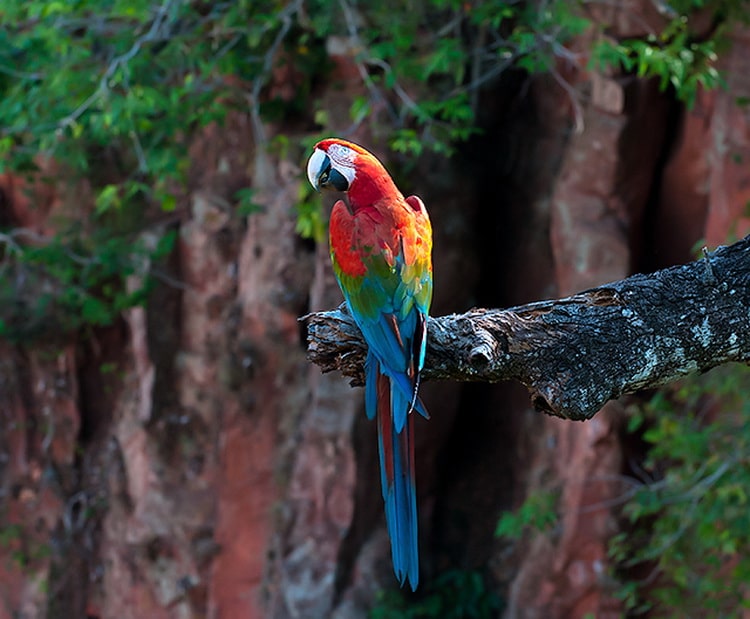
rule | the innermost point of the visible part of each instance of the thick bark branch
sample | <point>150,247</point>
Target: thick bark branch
<point>575,354</point>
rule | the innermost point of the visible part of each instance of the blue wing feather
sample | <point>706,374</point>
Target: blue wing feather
<point>393,349</point>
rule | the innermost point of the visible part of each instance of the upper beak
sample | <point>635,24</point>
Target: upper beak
<point>316,165</point>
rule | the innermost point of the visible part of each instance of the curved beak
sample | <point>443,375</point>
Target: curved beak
<point>316,166</point>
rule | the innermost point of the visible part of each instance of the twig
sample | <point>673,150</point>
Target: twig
<point>375,92</point>
<point>285,16</point>
<point>573,96</point>
<point>118,62</point>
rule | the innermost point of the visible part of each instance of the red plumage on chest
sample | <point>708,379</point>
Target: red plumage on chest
<point>386,230</point>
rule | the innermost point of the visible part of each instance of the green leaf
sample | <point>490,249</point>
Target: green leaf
<point>246,204</point>
<point>108,198</point>
<point>168,202</point>
<point>95,311</point>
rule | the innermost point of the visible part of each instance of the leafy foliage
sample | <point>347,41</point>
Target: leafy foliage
<point>425,80</point>
<point>687,541</point>
<point>684,548</point>
<point>538,512</point>
<point>671,57</point>
<point>677,56</point>
<point>454,594</point>
<point>115,92</point>
<point>132,78</point>
<point>63,283</point>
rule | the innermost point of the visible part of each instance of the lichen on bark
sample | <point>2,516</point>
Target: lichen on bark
<point>576,353</point>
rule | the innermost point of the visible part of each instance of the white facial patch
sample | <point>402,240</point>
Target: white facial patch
<point>342,157</point>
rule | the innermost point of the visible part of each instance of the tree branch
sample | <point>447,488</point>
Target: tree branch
<point>575,354</point>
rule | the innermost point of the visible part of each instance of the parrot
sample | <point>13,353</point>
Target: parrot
<point>381,250</point>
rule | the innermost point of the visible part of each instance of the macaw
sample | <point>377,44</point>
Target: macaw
<point>381,247</point>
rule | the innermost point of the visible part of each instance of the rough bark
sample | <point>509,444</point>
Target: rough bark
<point>577,353</point>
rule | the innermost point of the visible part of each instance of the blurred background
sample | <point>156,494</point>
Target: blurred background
<point>165,448</point>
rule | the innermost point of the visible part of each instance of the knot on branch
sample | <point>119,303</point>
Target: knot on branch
<point>484,351</point>
<point>566,398</point>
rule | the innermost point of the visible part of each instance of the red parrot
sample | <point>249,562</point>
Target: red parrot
<point>381,246</point>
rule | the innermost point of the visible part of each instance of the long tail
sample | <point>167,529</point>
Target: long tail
<point>397,474</point>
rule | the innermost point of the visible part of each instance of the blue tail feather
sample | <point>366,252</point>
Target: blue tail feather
<point>371,380</point>
<point>397,477</point>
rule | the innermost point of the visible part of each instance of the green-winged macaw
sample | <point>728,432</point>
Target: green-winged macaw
<point>381,246</point>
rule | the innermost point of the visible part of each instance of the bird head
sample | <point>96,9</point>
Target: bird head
<point>333,164</point>
<point>338,165</point>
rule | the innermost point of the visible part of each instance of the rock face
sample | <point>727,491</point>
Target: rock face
<point>188,461</point>
<point>638,188</point>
